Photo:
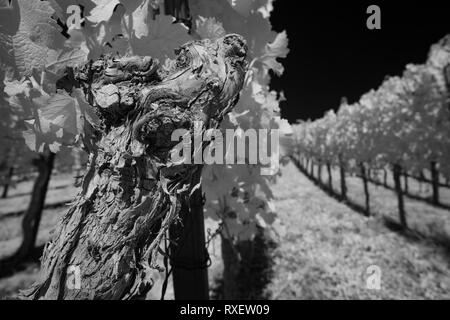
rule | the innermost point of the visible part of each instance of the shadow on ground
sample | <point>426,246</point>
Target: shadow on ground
<point>436,239</point>
<point>248,269</point>
<point>10,266</point>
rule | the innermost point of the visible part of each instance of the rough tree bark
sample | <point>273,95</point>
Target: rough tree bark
<point>398,189</point>
<point>132,191</point>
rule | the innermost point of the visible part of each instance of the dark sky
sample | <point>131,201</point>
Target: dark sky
<point>333,54</point>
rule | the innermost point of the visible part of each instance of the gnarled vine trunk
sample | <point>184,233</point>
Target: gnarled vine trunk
<point>132,191</point>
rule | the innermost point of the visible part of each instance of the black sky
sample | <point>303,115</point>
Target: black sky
<point>333,54</point>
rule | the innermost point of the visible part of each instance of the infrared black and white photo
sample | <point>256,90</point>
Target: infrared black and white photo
<point>228,150</point>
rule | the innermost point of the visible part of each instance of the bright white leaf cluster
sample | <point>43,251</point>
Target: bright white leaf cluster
<point>238,196</point>
<point>406,121</point>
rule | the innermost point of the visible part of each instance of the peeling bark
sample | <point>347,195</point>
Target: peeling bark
<point>132,192</point>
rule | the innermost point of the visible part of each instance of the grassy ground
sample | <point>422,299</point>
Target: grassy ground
<point>328,247</point>
<point>61,190</point>
<point>430,221</point>
<point>324,247</point>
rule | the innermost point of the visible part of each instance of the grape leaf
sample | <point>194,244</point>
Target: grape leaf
<point>240,190</point>
<point>164,36</point>
<point>57,110</point>
<point>37,36</point>
<point>67,57</point>
<point>209,28</point>
<point>277,49</point>
<point>102,11</point>
<point>135,18</point>
<point>139,18</point>
<point>246,7</point>
<point>242,6</point>
<point>36,139</point>
<point>65,112</point>
<point>266,7</point>
<point>59,119</point>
